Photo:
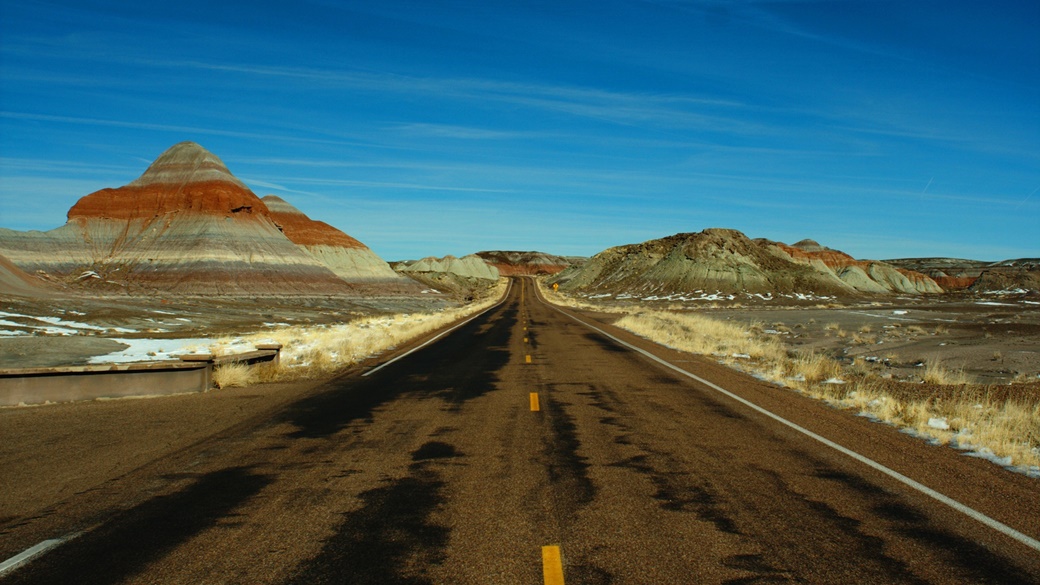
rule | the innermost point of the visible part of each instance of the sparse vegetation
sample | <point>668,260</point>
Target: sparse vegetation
<point>935,373</point>
<point>313,351</point>
<point>950,409</point>
<point>233,374</point>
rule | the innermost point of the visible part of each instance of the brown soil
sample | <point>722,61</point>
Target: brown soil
<point>992,344</point>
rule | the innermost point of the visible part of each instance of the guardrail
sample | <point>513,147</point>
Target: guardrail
<point>193,373</point>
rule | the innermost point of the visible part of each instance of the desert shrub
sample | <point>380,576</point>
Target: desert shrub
<point>936,373</point>
<point>232,374</point>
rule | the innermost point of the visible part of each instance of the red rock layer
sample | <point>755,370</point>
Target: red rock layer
<point>526,269</point>
<point>915,277</point>
<point>213,197</point>
<point>835,259</point>
<point>955,282</point>
<point>304,231</point>
<point>832,258</point>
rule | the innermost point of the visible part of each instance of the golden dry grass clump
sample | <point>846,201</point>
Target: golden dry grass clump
<point>312,351</point>
<point>699,334</point>
<point>233,374</point>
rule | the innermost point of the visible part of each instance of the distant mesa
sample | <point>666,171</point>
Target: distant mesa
<point>187,226</point>
<point>1009,275</point>
<point>512,263</point>
<point>958,274</point>
<point>471,266</point>
<point>726,261</point>
<point>465,278</point>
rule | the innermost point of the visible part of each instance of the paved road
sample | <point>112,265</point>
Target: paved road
<point>437,469</point>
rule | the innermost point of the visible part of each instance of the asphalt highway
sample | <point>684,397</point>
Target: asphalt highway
<point>529,445</point>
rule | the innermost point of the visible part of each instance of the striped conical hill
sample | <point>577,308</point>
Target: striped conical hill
<point>186,226</point>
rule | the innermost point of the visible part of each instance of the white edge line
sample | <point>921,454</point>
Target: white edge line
<point>27,555</point>
<point>439,335</point>
<point>970,512</point>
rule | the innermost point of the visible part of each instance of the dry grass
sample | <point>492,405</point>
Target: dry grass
<point>233,374</point>
<point>699,334</point>
<point>314,351</point>
<point>936,373</point>
<point>959,413</point>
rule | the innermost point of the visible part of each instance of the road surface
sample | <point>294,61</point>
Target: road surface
<point>529,445</point>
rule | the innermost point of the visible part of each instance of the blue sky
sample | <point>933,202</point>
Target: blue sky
<point>884,129</point>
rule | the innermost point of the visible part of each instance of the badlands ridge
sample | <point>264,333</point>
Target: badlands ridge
<point>187,226</point>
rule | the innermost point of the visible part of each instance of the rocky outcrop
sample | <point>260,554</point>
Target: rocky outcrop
<point>345,256</point>
<point>951,274</point>
<point>1021,275</point>
<point>868,276</point>
<point>727,261</point>
<point>958,274</point>
<point>187,225</point>
<point>511,263</point>
<point>465,278</point>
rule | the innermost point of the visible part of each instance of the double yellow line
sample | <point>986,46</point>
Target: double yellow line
<point>552,559</point>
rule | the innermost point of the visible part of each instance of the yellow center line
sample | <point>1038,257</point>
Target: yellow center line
<point>525,340</point>
<point>535,407</point>
<point>552,565</point>
<point>527,358</point>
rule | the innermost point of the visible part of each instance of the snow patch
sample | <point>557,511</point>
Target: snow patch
<point>144,350</point>
<point>939,424</point>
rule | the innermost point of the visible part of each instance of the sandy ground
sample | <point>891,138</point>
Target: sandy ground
<point>993,341</point>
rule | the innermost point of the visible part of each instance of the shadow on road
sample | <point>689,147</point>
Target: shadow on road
<point>125,545</point>
<point>456,369</point>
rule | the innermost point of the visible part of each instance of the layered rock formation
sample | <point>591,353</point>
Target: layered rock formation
<point>511,263</point>
<point>869,276</point>
<point>1022,274</point>
<point>471,266</point>
<point>14,281</point>
<point>346,257</point>
<point>958,274</point>
<point>465,278</point>
<point>727,261</point>
<point>950,273</point>
<point>187,225</point>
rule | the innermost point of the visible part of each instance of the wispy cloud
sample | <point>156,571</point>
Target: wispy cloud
<point>183,130</point>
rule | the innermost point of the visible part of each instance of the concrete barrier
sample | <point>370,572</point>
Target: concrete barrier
<point>194,373</point>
